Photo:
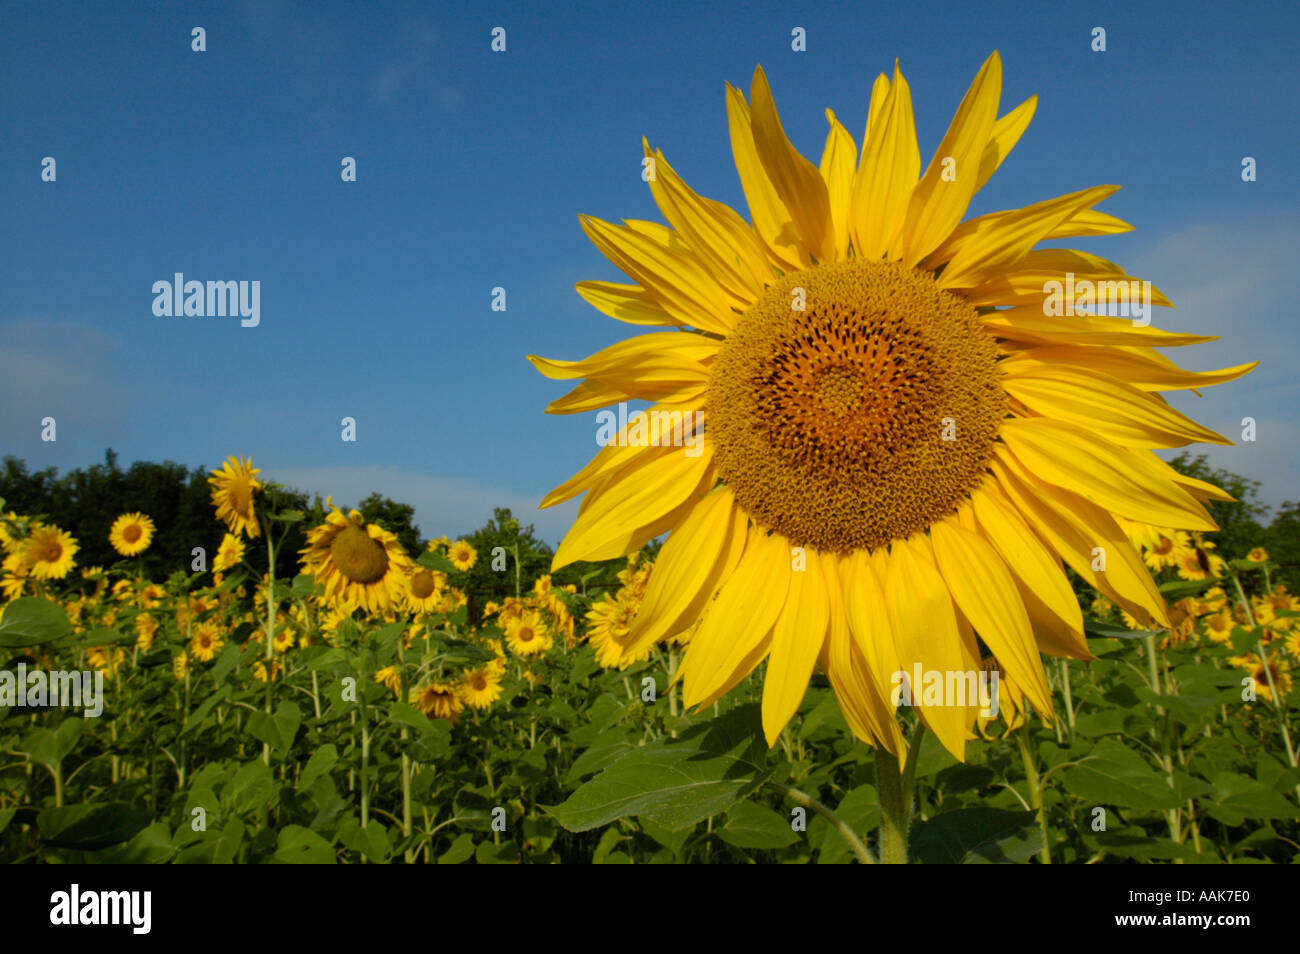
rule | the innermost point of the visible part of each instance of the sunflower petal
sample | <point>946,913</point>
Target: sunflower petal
<point>839,160</point>
<point>887,173</point>
<point>1006,133</point>
<point>629,303</point>
<point>797,640</point>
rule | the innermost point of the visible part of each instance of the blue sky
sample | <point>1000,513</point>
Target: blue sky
<point>472,167</point>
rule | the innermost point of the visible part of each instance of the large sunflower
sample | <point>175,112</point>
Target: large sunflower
<point>131,533</point>
<point>233,487</point>
<point>47,553</point>
<point>902,438</point>
<point>359,564</point>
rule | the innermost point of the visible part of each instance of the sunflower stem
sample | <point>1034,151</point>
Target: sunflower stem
<point>1035,790</point>
<point>894,812</point>
<point>859,848</point>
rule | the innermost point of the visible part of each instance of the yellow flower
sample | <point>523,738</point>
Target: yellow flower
<point>489,608</point>
<point>609,629</point>
<point>890,461</point>
<point>360,565</point>
<point>462,555</point>
<point>1164,552</point>
<point>152,595</point>
<point>391,677</point>
<point>181,664</point>
<point>259,670</point>
<point>131,533</point>
<point>284,639</point>
<point>1278,669</point>
<point>47,553</point>
<point>1102,607</point>
<point>1293,645</point>
<point>1198,563</point>
<point>1257,555</point>
<point>1218,626</point>
<point>229,554</point>
<point>145,628</point>
<point>206,642</point>
<point>15,579</point>
<point>424,590</point>
<point>438,700</point>
<point>542,585</point>
<point>480,687</point>
<point>233,488</point>
<point>527,635</point>
<point>106,659</point>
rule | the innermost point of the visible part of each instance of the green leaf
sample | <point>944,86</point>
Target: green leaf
<point>92,826</point>
<point>52,746</point>
<point>433,560</point>
<point>205,708</point>
<point>30,621</point>
<point>756,826</point>
<point>302,846</point>
<point>320,763</point>
<point>675,782</point>
<point>1097,630</point>
<point>462,849</point>
<point>459,652</point>
<point>304,585</point>
<point>977,835</point>
<point>1238,798</point>
<point>251,788</point>
<point>860,810</point>
<point>278,730</point>
<point>1113,775</point>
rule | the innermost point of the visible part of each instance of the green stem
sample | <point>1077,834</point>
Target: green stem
<point>894,812</point>
<point>1035,791</point>
<point>803,798</point>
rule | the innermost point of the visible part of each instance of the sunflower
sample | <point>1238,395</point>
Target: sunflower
<point>480,687</point>
<point>527,635</point>
<point>131,534</point>
<point>108,659</point>
<point>360,564</point>
<point>424,590</point>
<point>892,428</point>
<point>229,554</point>
<point>1164,553</point>
<point>145,629</point>
<point>206,642</point>
<point>233,487</point>
<point>1279,671</point>
<point>609,626</point>
<point>462,555</point>
<point>1257,555</point>
<point>259,670</point>
<point>391,677</point>
<point>438,701</point>
<point>15,578</point>
<point>181,665</point>
<point>47,553</point>
<point>1218,626</point>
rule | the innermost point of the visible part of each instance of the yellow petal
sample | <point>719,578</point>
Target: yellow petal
<point>739,620</point>
<point>797,640</point>
<point>1006,133</point>
<point>696,559</point>
<point>839,160</point>
<point>1046,587</point>
<point>922,618</point>
<point>944,192</point>
<point>678,282</point>
<point>886,176</point>
<point>617,514</point>
<point>629,303</point>
<point>868,620</point>
<point>1112,477</point>
<point>1112,409</point>
<point>983,589</point>
<point>795,179</point>
<point>1089,222</point>
<point>1028,323</point>
<point>772,220</point>
<point>721,238</point>
<point>1144,368</point>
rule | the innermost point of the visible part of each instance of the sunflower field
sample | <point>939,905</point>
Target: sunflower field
<point>395,728</point>
<point>888,570</point>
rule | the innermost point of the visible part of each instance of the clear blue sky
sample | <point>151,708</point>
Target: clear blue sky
<point>472,169</point>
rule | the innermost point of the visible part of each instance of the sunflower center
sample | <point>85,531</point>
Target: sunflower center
<point>132,533</point>
<point>422,585</point>
<point>50,551</point>
<point>358,557</point>
<point>479,682</point>
<point>525,634</point>
<point>241,495</point>
<point>861,418</point>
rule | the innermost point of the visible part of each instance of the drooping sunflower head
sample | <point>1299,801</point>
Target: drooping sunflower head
<point>233,490</point>
<point>889,427</point>
<point>131,533</point>
<point>438,700</point>
<point>360,565</point>
<point>47,553</point>
<point>229,554</point>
